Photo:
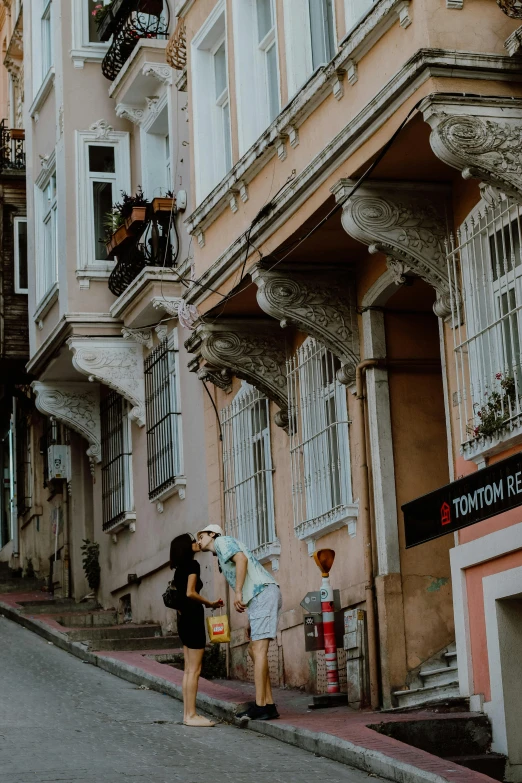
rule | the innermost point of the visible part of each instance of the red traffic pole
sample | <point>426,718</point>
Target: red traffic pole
<point>330,645</point>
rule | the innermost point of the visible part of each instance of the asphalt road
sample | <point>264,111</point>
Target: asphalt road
<point>64,720</point>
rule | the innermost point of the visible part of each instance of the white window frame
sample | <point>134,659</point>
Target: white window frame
<point>129,512</point>
<point>84,51</point>
<point>312,433</point>
<point>248,470</point>
<point>42,72</point>
<point>103,136</point>
<point>251,74</point>
<point>18,289</point>
<point>46,29</point>
<point>298,43</point>
<point>355,10</point>
<point>46,283</point>
<point>210,144</point>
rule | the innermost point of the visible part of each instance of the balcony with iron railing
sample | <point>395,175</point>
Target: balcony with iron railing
<point>125,22</point>
<point>148,238</point>
<point>12,149</point>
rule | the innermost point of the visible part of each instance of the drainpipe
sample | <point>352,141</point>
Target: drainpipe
<point>14,482</point>
<point>366,523</point>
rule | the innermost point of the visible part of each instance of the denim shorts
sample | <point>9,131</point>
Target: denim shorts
<point>263,613</point>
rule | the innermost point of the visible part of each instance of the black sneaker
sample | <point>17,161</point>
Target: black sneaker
<point>268,712</point>
<point>246,713</point>
<point>272,709</point>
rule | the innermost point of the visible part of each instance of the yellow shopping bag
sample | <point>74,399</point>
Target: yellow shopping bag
<point>218,629</point>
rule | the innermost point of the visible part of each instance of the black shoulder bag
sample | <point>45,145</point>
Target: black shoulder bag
<point>171,597</point>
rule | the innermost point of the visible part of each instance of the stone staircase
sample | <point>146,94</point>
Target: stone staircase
<point>436,681</point>
<point>13,581</point>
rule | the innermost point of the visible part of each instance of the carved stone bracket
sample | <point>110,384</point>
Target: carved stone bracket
<point>141,336</point>
<point>481,137</point>
<point>77,405</point>
<point>406,222</point>
<point>253,350</point>
<point>115,362</point>
<point>319,302</point>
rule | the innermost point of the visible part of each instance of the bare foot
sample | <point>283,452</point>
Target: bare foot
<point>198,720</point>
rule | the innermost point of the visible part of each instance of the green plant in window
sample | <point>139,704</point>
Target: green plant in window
<point>100,11</point>
<point>495,413</point>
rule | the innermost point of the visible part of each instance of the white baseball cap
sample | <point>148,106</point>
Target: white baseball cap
<point>211,529</point>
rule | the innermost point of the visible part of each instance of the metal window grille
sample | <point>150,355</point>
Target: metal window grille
<point>485,264</point>
<point>23,466</point>
<point>163,419</point>
<point>319,437</point>
<point>247,463</point>
<point>116,461</point>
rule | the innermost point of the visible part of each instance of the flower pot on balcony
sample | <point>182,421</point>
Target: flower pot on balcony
<point>17,133</point>
<point>163,204</point>
<point>117,239</point>
<point>136,218</point>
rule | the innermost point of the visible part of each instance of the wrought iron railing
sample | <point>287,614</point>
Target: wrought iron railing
<point>128,21</point>
<point>153,247</point>
<point>12,148</point>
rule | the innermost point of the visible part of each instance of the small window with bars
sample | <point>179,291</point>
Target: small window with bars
<point>116,445</point>
<point>247,463</point>
<point>319,441</point>
<point>164,454</point>
<point>23,464</point>
<point>485,265</point>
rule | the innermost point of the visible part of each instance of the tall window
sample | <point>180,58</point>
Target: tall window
<point>321,31</point>
<point>319,440</point>
<point>213,151</point>
<point>47,39</point>
<point>257,69</point>
<point>46,259</point>
<point>310,39</point>
<point>163,419</point>
<point>116,445</point>
<point>355,10</point>
<point>103,171</point>
<point>20,255</point>
<point>247,462</point>
<point>488,320</point>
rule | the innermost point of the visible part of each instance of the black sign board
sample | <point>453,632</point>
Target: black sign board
<point>471,499</point>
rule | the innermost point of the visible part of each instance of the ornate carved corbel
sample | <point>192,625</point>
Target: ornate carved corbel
<point>115,362</point>
<point>481,137</point>
<point>253,350</point>
<point>319,302</point>
<point>77,405</point>
<point>406,222</point>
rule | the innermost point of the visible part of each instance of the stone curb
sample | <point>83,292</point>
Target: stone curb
<point>335,748</point>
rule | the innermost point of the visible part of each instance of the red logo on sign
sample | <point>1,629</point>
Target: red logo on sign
<point>445,514</point>
<point>217,629</point>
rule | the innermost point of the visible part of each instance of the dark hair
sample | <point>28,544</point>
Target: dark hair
<point>181,550</point>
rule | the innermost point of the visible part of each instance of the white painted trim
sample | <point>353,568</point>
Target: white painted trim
<point>84,51</point>
<point>473,553</point>
<point>41,96</point>
<point>16,222</point>
<point>497,586</point>
<point>46,303</point>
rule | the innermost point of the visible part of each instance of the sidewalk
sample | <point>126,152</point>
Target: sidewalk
<point>340,733</point>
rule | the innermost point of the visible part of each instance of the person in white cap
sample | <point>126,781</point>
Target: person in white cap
<point>257,593</point>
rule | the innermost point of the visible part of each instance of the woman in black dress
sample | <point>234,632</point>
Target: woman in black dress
<point>191,621</point>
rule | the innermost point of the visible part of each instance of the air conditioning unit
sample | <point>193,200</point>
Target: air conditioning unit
<point>59,462</point>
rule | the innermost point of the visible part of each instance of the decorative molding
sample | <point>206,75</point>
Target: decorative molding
<point>512,8</point>
<point>481,137</point>
<point>336,80</point>
<point>269,553</point>
<point>455,5</point>
<point>405,221</point>
<point>352,71</point>
<point>254,350</point>
<point>403,12</point>
<point>280,145</point>
<point>131,113</point>
<point>513,43</point>
<point>115,362</point>
<point>77,405</point>
<point>232,200</point>
<point>200,236</point>
<point>222,378</point>
<point>140,336</point>
<point>293,137</point>
<point>161,72</point>
<point>101,129</point>
<point>318,302</point>
<point>162,331</point>
<point>243,190</point>
<point>169,304</point>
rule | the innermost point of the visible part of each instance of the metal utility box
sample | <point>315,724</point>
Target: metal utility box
<point>314,633</point>
<point>59,462</point>
<point>355,644</point>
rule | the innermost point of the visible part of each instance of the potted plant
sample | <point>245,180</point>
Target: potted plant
<point>104,18</point>
<point>133,209</point>
<point>17,133</point>
<point>164,203</point>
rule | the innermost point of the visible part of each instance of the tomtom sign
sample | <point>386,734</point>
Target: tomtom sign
<point>481,495</point>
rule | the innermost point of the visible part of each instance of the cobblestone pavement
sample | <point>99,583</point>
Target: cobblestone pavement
<point>64,720</point>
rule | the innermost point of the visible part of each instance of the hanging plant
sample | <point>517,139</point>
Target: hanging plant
<point>91,564</point>
<point>100,12</point>
<point>495,413</point>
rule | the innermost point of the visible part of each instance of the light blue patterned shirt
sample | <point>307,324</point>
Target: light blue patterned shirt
<point>256,578</point>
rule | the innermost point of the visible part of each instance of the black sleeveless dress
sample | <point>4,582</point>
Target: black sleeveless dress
<point>191,618</point>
